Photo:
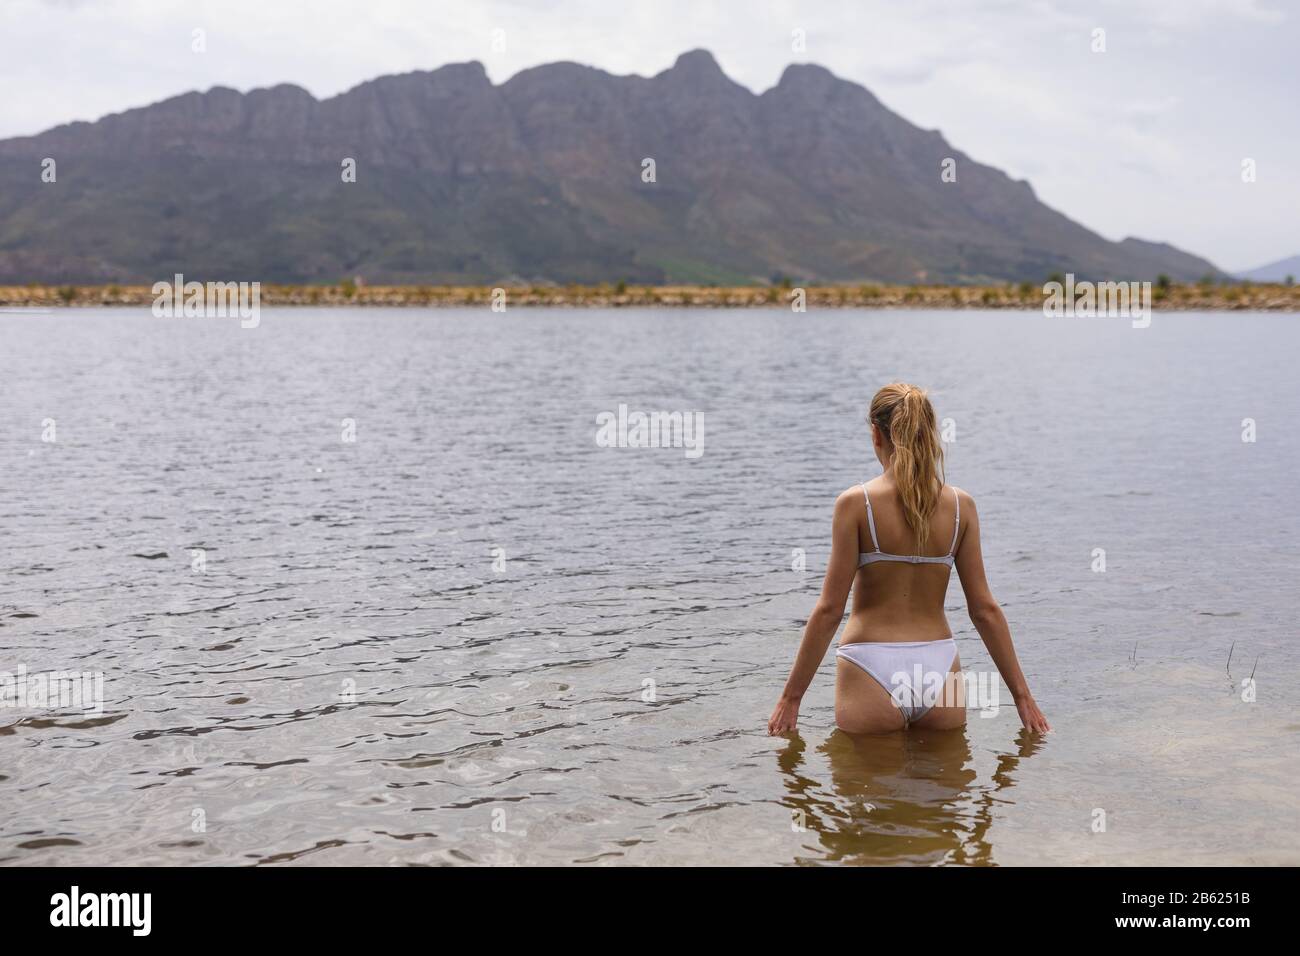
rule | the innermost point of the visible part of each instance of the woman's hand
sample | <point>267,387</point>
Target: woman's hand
<point>784,717</point>
<point>1031,716</point>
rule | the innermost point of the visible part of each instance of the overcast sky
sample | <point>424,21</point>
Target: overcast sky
<point>1146,139</point>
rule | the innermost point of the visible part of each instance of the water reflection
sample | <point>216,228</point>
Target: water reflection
<point>899,798</point>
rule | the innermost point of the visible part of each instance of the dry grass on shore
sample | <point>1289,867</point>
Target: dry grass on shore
<point>1176,297</point>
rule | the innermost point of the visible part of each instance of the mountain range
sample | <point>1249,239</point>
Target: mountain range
<point>542,178</point>
<point>1279,271</point>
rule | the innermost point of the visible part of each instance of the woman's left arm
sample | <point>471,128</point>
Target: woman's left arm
<point>826,616</point>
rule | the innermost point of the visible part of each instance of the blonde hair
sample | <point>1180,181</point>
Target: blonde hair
<point>905,417</point>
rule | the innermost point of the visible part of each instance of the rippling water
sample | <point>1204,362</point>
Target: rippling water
<point>472,635</point>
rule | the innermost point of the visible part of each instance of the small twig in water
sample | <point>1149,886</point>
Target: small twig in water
<point>1228,666</point>
<point>1252,670</point>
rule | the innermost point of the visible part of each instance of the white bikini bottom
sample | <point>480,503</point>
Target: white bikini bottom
<point>913,672</point>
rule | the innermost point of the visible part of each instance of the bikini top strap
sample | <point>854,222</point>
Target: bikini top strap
<point>956,524</point>
<point>871,521</point>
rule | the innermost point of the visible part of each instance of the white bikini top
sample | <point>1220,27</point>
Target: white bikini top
<point>870,557</point>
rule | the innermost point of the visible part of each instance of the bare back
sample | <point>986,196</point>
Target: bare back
<point>897,600</point>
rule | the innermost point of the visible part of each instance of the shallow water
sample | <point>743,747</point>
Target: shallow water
<point>358,677</point>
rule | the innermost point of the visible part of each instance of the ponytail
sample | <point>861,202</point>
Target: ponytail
<point>905,417</point>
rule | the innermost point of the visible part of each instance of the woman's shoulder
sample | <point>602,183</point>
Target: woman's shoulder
<point>849,497</point>
<point>963,496</point>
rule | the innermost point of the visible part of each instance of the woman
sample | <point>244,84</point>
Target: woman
<point>897,537</point>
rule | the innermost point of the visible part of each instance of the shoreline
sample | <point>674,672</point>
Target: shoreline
<point>1253,297</point>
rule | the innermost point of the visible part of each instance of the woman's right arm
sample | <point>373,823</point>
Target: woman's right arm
<point>827,614</point>
<point>989,620</point>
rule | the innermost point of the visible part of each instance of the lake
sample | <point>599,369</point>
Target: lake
<point>363,587</point>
